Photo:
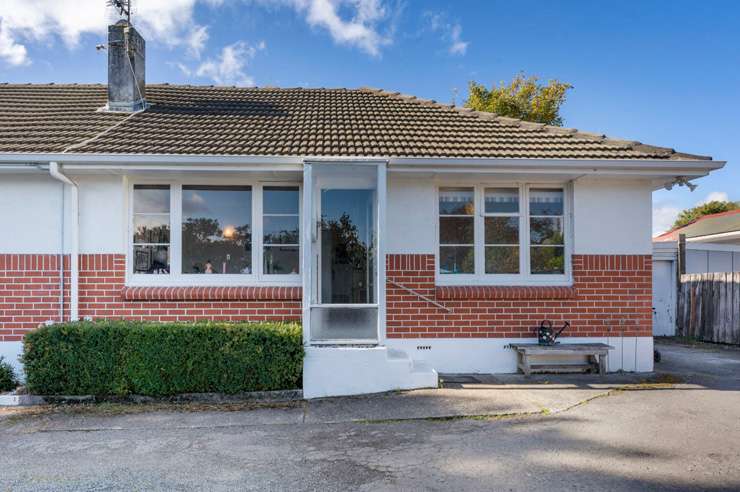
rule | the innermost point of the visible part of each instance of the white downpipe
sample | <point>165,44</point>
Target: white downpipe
<point>74,253</point>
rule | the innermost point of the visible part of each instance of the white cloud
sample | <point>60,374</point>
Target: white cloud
<point>32,21</point>
<point>715,196</point>
<point>196,40</point>
<point>362,28</point>
<point>457,46</point>
<point>228,68</point>
<point>664,215</point>
<point>450,32</point>
<point>365,24</point>
<point>13,53</point>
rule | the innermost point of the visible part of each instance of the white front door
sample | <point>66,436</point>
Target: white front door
<point>344,290</point>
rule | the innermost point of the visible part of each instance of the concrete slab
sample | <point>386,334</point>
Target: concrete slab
<point>170,420</point>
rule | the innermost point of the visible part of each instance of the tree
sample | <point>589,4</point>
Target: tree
<point>690,215</point>
<point>524,98</point>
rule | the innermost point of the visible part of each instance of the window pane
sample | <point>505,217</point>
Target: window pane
<point>280,200</point>
<point>280,260</point>
<point>456,201</point>
<point>546,230</point>
<point>502,230</point>
<point>216,229</point>
<point>547,259</point>
<point>502,259</point>
<point>151,228</point>
<point>151,259</point>
<point>280,229</point>
<point>456,259</point>
<point>456,230</point>
<point>502,200</point>
<point>545,202</point>
<point>150,199</point>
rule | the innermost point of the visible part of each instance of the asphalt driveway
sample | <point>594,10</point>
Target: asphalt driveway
<point>564,433</point>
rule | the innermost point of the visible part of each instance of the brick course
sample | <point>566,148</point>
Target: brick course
<point>611,294</point>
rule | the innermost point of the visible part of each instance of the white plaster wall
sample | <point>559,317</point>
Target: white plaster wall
<point>337,371</point>
<point>492,355</point>
<point>612,217</point>
<point>102,214</point>
<point>410,219</point>
<point>30,214</point>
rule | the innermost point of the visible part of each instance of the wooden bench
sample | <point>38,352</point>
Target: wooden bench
<point>596,354</point>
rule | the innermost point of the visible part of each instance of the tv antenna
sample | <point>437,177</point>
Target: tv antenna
<point>123,7</point>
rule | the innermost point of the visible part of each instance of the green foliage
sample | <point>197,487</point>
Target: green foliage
<point>690,215</point>
<point>111,357</point>
<point>8,381</point>
<point>524,98</point>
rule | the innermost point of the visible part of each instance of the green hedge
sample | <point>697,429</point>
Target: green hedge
<point>161,359</point>
<point>8,381</point>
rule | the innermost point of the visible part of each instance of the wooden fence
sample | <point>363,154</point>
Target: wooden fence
<point>709,307</point>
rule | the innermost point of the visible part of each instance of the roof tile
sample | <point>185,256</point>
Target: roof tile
<point>213,120</point>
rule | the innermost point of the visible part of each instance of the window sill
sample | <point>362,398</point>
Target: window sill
<point>497,292</point>
<point>211,293</point>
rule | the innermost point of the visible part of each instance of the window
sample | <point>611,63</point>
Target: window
<point>233,234</point>
<point>501,224</point>
<point>456,230</point>
<point>502,233</point>
<point>280,230</point>
<point>217,229</point>
<point>151,229</point>
<point>546,237</point>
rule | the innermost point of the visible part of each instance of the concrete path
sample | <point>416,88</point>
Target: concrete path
<point>685,437</point>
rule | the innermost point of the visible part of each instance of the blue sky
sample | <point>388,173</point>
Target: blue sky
<point>663,72</point>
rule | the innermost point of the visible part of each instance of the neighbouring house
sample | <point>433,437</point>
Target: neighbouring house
<point>410,237</point>
<point>712,246</point>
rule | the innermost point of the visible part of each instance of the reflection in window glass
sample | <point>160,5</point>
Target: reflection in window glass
<point>545,202</point>
<point>501,232</point>
<point>348,231</point>
<point>502,200</point>
<point>546,232</point>
<point>151,234</point>
<point>456,230</point>
<point>281,254</point>
<point>217,229</point>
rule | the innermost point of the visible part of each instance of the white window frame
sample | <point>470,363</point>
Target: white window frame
<point>524,277</point>
<point>178,279</point>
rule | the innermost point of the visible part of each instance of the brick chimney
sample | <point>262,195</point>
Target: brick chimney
<point>126,57</point>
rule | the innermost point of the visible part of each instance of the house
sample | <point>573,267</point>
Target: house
<point>712,245</point>
<point>410,237</point>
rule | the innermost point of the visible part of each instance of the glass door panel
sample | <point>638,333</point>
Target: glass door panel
<point>344,306</point>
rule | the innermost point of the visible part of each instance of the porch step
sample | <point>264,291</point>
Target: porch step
<point>336,371</point>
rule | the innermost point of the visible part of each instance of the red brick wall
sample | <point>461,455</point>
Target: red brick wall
<point>611,294</point>
<point>29,293</point>
<point>101,296</point>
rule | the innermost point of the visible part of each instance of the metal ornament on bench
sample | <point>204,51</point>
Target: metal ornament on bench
<point>546,335</point>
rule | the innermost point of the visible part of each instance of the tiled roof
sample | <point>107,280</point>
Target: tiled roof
<point>706,225</point>
<point>285,122</point>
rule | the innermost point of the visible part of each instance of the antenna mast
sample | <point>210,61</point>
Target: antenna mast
<point>123,7</point>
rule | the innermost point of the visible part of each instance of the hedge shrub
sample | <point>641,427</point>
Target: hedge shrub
<point>160,359</point>
<point>8,381</point>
